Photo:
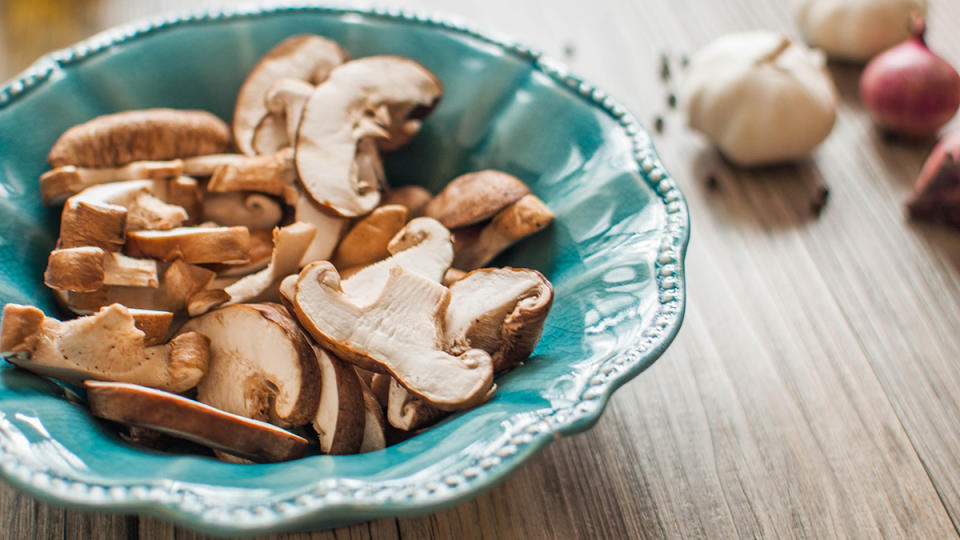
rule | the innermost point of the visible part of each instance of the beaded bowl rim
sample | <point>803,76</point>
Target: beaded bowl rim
<point>341,500</point>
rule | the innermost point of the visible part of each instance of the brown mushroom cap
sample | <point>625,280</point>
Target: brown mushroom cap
<point>499,310</point>
<point>351,105</point>
<point>115,140</point>
<point>262,366</point>
<point>58,184</point>
<point>104,346</point>
<point>304,57</point>
<point>475,197</point>
<point>399,333</point>
<point>367,240</point>
<point>191,420</point>
<point>413,198</point>
<point>515,222</point>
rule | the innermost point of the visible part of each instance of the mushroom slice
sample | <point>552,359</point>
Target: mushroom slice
<point>270,136</point>
<point>475,197</point>
<point>188,419</point>
<point>100,215</point>
<point>182,191</point>
<point>303,57</point>
<point>203,166</point>
<point>104,346</point>
<point>273,173</point>
<point>114,140</point>
<point>339,420</point>
<point>86,269</point>
<point>423,247</point>
<point>261,250</point>
<point>62,182</point>
<point>499,310</point>
<point>329,228</point>
<point>154,324</point>
<point>513,223</point>
<point>406,411</point>
<point>290,243</point>
<point>414,198</point>
<point>192,244</point>
<point>286,98</point>
<point>398,333</point>
<point>251,210</point>
<point>351,105</point>
<point>262,366</point>
<point>380,386</point>
<point>374,423</point>
<point>178,283</point>
<point>367,240</point>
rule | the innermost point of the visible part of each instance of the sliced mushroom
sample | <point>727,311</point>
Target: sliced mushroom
<point>227,245</point>
<point>272,173</point>
<point>178,283</point>
<point>367,240</point>
<point>286,98</point>
<point>399,333</point>
<point>251,210</point>
<point>262,366</point>
<point>329,228</point>
<point>515,222</point>
<point>104,346</point>
<point>270,136</point>
<point>191,420</point>
<point>414,198</point>
<point>290,243</point>
<point>86,269</point>
<point>351,105</point>
<point>339,420</point>
<point>499,310</point>
<point>184,192</point>
<point>62,182</point>
<point>408,412</point>
<point>203,166</point>
<point>304,57</point>
<point>423,247</point>
<point>380,386</point>
<point>374,423</point>
<point>115,140</point>
<point>154,324</point>
<point>261,250</point>
<point>475,197</point>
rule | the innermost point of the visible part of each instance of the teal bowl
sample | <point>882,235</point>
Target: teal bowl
<point>615,255</point>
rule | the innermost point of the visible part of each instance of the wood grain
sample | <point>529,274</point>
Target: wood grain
<point>813,390</point>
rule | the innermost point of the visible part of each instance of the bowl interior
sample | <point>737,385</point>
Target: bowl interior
<point>498,111</point>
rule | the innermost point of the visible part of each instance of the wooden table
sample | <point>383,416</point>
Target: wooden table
<point>814,390</point>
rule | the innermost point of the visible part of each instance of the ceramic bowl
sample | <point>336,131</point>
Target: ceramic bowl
<point>615,255</point>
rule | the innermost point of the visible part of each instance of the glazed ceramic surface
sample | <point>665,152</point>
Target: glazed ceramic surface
<point>615,255</point>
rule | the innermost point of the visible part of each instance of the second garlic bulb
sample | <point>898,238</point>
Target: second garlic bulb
<point>759,97</point>
<point>857,29</point>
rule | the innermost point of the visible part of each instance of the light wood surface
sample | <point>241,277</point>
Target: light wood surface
<point>814,390</point>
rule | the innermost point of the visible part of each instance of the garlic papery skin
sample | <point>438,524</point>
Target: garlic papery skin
<point>856,30</point>
<point>759,97</point>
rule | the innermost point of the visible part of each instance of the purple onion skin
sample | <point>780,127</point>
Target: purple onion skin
<point>909,90</point>
<point>936,195</point>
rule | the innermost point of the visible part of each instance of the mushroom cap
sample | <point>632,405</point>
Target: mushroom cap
<point>475,197</point>
<point>499,310</point>
<point>262,366</point>
<point>413,198</point>
<point>194,421</point>
<point>304,57</point>
<point>116,139</point>
<point>350,105</point>
<point>367,240</point>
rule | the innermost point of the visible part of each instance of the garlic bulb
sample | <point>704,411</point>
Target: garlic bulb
<point>760,97</point>
<point>857,29</point>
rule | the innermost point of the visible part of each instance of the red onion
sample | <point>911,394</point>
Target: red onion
<point>910,90</point>
<point>936,195</point>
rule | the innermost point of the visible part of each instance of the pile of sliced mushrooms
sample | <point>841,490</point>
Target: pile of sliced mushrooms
<point>283,298</point>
